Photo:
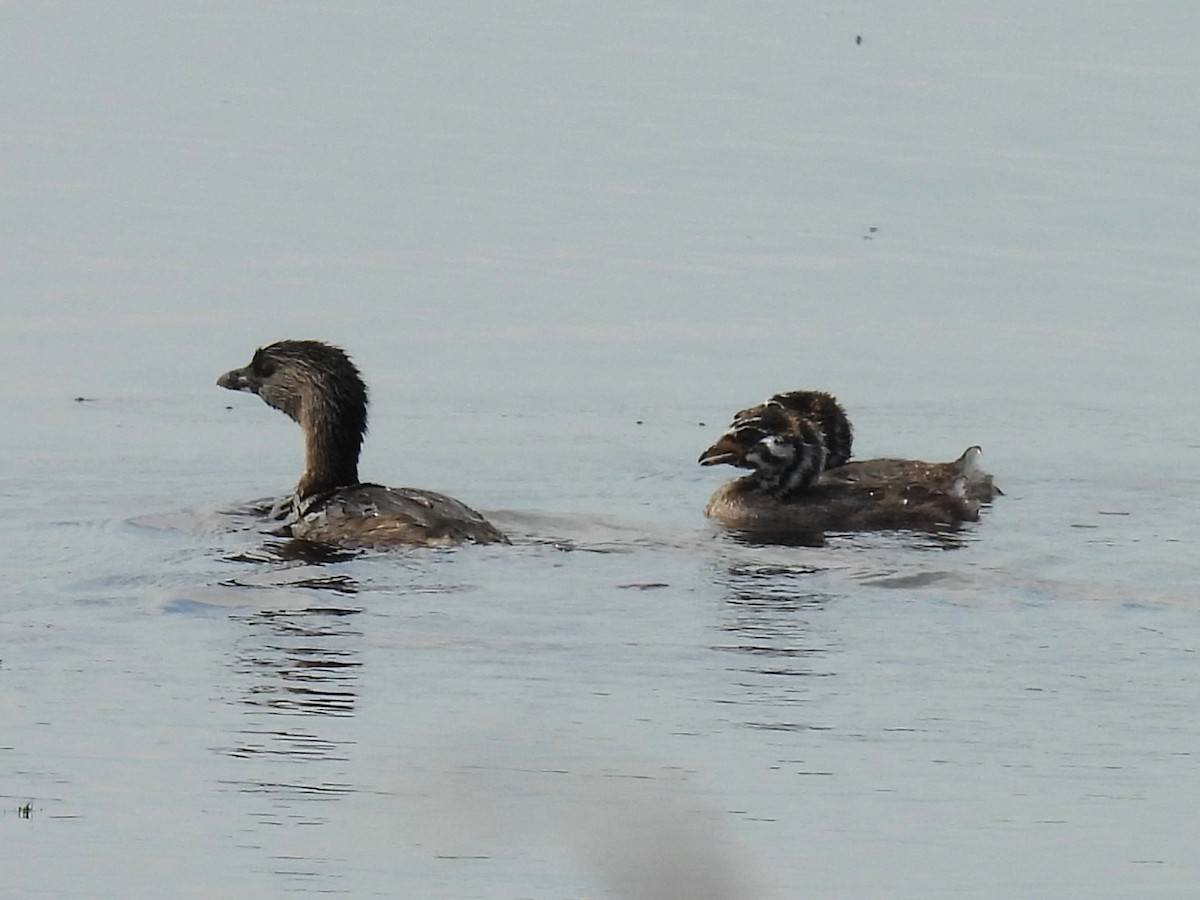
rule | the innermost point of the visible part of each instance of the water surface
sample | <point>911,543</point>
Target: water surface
<point>565,246</point>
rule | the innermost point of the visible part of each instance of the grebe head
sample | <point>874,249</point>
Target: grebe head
<point>785,452</point>
<point>316,385</point>
<point>300,378</point>
<point>742,444</point>
<point>825,410</point>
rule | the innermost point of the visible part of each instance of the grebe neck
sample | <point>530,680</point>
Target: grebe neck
<point>332,441</point>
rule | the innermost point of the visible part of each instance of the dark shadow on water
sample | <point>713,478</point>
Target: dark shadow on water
<point>293,550</point>
<point>341,584</point>
<point>949,538</point>
<point>779,539</point>
<point>293,564</point>
<point>945,539</point>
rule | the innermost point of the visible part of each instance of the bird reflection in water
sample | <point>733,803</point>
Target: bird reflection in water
<point>772,647</point>
<point>301,665</point>
<point>765,618</point>
<point>302,661</point>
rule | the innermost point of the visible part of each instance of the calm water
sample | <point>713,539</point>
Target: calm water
<point>565,246</point>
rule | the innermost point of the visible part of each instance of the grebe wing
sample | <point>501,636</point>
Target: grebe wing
<point>374,515</point>
<point>888,474</point>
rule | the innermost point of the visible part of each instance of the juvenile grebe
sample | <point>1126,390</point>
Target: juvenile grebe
<point>789,440</point>
<point>319,388</point>
<point>792,488</point>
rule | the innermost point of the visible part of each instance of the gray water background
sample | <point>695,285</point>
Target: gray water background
<point>565,243</point>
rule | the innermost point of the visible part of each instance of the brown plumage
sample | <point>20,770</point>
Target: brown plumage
<point>318,387</point>
<point>782,496</point>
<point>788,441</point>
<point>820,409</point>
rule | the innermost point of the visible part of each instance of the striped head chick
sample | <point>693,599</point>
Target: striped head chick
<point>824,409</point>
<point>784,451</point>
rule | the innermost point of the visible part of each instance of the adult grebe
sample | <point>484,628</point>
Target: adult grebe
<point>317,386</point>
